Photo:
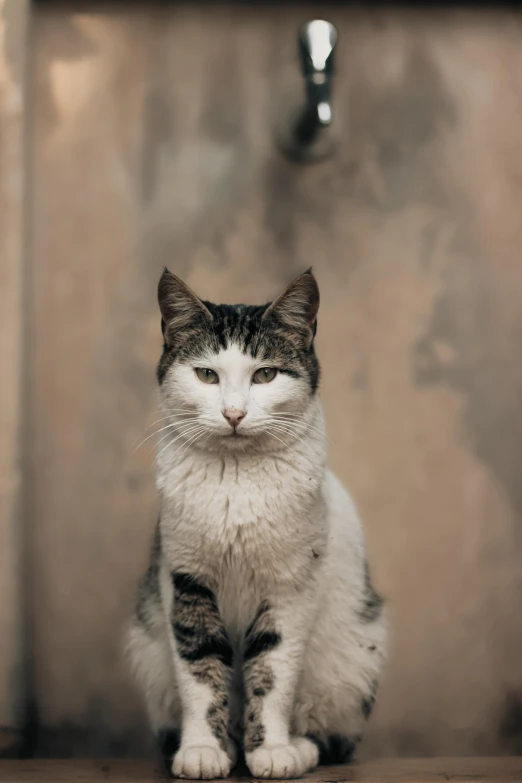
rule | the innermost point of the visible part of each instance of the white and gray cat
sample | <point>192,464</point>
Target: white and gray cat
<point>256,623</point>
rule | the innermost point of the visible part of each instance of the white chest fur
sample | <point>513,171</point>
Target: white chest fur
<point>246,521</point>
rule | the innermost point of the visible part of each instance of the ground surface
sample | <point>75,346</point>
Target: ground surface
<point>499,770</point>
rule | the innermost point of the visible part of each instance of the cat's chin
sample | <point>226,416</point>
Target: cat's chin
<point>257,441</point>
<point>242,440</point>
<point>237,440</point>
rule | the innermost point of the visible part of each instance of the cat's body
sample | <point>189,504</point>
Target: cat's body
<point>257,616</point>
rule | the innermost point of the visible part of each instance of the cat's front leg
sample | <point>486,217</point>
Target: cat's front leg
<point>203,658</point>
<point>272,661</point>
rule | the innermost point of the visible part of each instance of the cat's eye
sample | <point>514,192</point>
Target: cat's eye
<point>206,375</point>
<point>264,375</point>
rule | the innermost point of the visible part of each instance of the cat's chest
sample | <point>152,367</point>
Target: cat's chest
<point>234,518</point>
<point>229,493</point>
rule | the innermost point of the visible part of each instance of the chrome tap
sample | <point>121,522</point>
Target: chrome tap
<point>317,41</point>
<point>307,136</point>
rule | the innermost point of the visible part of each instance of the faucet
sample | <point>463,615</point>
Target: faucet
<point>307,137</point>
<point>317,41</point>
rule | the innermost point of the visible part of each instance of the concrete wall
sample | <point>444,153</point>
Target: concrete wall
<point>151,141</point>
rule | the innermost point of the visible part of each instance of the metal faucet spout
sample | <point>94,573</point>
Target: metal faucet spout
<point>317,41</point>
<point>308,138</point>
<point>304,133</point>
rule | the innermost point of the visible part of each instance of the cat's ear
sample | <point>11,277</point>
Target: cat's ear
<point>179,306</point>
<point>297,307</point>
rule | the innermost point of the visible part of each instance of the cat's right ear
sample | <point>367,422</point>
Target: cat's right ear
<point>297,307</point>
<point>179,306</point>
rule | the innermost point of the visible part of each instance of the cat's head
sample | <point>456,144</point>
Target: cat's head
<point>234,374</point>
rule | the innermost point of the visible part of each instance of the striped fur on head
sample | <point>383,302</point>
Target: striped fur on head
<point>280,333</point>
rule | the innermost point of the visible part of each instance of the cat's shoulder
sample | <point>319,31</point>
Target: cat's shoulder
<point>338,500</point>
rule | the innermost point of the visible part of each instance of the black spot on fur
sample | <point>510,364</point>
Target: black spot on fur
<point>291,373</point>
<point>260,635</point>
<point>262,610</point>
<point>197,626</point>
<point>372,602</point>
<point>255,738</point>
<point>367,702</point>
<point>183,630</point>
<point>216,716</point>
<point>259,692</point>
<point>367,706</point>
<point>148,591</point>
<point>188,585</point>
<point>259,643</point>
<point>211,647</point>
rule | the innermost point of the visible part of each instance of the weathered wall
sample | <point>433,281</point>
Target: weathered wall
<point>13,26</point>
<point>152,145</point>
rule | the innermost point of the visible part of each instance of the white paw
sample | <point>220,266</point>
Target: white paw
<point>200,763</point>
<point>282,761</point>
<point>308,750</point>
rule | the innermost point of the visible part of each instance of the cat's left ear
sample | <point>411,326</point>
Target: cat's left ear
<point>180,307</point>
<point>297,307</point>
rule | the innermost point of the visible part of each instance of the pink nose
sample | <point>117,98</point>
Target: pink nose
<point>233,416</point>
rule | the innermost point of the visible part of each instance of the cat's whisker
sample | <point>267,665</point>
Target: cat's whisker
<point>288,413</point>
<point>301,416</point>
<point>191,443</point>
<point>191,409</point>
<point>169,418</point>
<point>192,439</point>
<point>292,433</point>
<point>306,426</point>
<point>269,432</point>
<point>166,418</point>
<point>156,432</point>
<point>181,433</point>
<point>178,420</point>
<point>301,434</point>
<point>298,427</point>
<point>172,425</point>
<point>170,412</point>
<point>303,426</point>
<point>171,442</point>
<point>179,430</point>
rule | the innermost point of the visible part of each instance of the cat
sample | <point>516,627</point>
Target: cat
<point>256,624</point>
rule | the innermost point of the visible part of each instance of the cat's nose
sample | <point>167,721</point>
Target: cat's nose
<point>234,416</point>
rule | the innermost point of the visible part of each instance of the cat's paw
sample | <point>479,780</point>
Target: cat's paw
<point>308,750</point>
<point>201,763</point>
<point>283,761</point>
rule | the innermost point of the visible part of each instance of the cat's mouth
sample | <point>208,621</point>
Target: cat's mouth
<point>237,433</point>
